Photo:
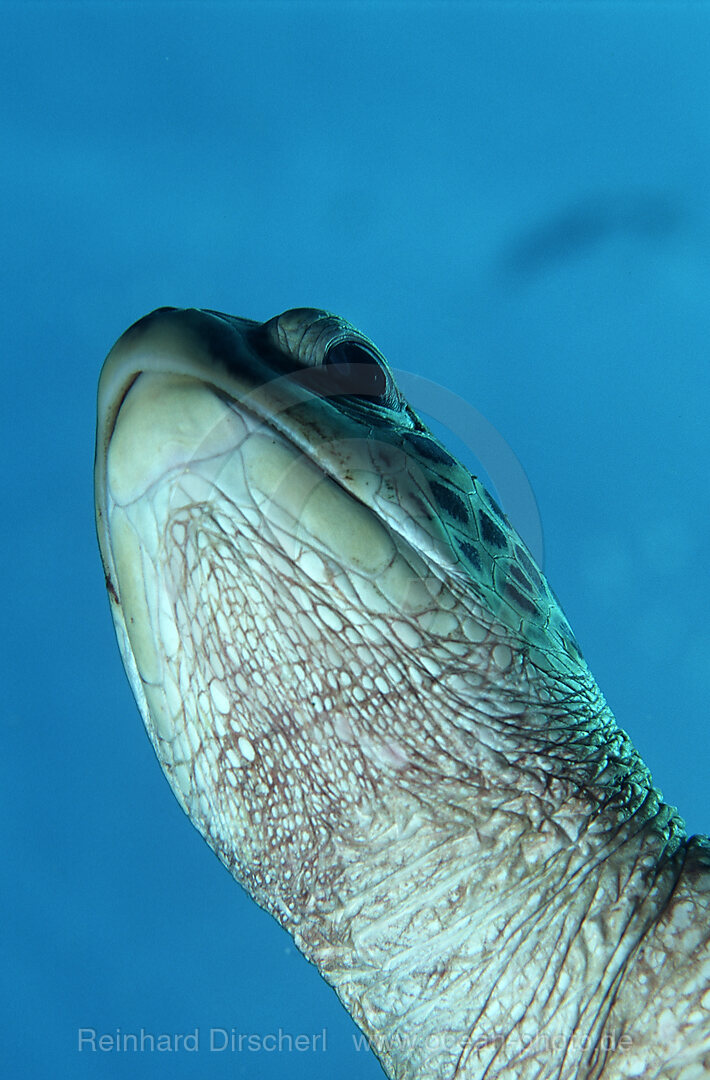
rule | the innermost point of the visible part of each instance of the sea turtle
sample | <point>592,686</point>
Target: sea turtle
<point>369,702</point>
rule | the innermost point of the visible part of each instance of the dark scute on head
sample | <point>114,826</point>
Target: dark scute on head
<point>521,602</point>
<point>429,449</point>
<point>490,531</point>
<point>529,567</point>
<point>469,552</point>
<point>449,500</point>
<point>521,579</point>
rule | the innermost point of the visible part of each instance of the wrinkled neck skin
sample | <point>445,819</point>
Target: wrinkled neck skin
<point>460,838</point>
<point>546,948</point>
<point>561,933</point>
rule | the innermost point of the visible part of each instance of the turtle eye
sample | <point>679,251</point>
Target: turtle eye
<point>354,371</point>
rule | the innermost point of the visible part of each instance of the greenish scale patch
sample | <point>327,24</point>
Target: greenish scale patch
<point>490,532</point>
<point>499,564</point>
<point>520,601</point>
<point>448,500</point>
<point>502,572</point>
<point>529,567</point>
<point>470,553</point>
<point>521,580</point>
<point>495,507</point>
<point>430,449</point>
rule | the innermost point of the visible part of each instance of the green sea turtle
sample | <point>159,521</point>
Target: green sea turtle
<point>369,702</point>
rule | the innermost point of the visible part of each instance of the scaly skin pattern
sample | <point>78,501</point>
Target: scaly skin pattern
<point>370,704</point>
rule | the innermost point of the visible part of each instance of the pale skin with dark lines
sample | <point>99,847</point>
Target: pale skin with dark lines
<point>370,704</point>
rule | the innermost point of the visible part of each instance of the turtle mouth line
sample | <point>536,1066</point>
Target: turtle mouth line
<point>233,418</point>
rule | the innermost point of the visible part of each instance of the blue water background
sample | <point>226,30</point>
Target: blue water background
<point>512,200</point>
